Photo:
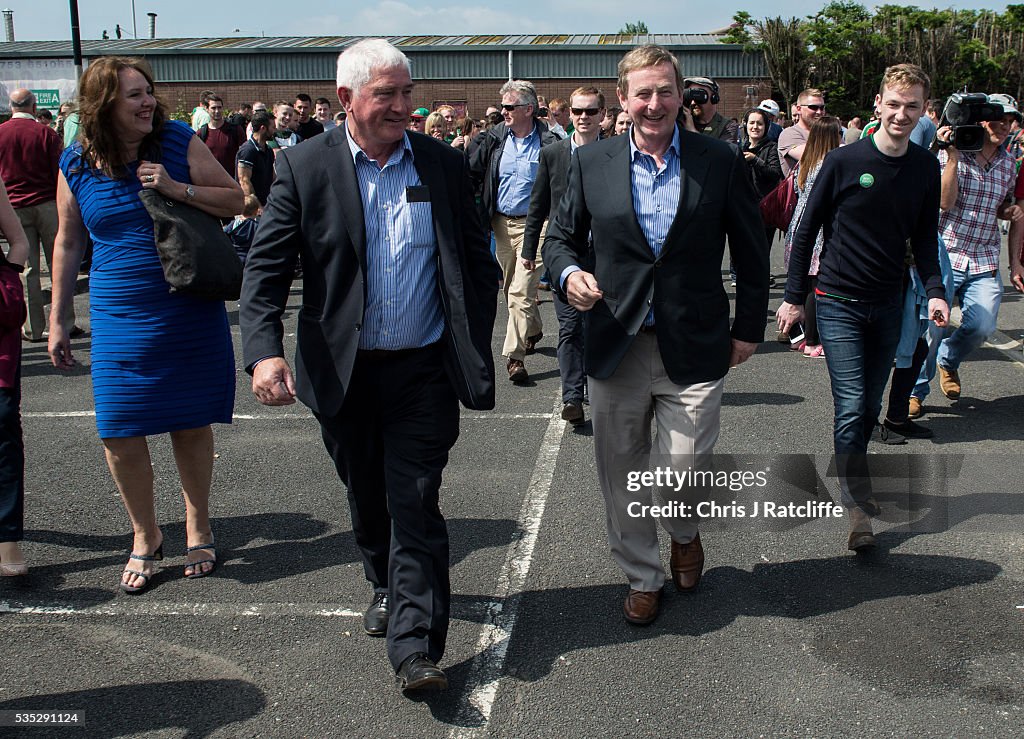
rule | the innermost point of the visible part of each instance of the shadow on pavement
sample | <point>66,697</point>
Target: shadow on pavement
<point>198,707</point>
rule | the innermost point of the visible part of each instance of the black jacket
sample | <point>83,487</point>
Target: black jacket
<point>684,283</point>
<point>483,165</point>
<point>765,168</point>
<point>315,211</point>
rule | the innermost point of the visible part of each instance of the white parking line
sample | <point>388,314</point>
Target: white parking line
<point>293,416</point>
<point>156,608</point>
<point>500,616</point>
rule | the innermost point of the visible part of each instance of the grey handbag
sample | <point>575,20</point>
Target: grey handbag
<point>195,253</point>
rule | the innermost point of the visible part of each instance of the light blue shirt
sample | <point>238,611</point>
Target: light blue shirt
<point>403,302</point>
<point>924,132</point>
<point>517,170</point>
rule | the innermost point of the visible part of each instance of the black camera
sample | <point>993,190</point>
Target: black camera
<point>963,112</point>
<point>695,96</point>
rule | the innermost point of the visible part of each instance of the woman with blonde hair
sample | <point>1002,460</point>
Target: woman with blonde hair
<point>825,135</point>
<point>162,362</point>
<point>436,126</point>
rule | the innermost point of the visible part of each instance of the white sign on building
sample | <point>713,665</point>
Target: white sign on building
<point>38,74</point>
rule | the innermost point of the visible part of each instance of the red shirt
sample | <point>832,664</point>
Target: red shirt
<point>224,143</point>
<point>1019,190</point>
<point>29,152</point>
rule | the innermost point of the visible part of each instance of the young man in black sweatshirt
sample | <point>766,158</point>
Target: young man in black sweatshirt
<point>869,198</point>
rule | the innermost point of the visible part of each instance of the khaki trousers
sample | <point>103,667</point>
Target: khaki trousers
<point>518,284</point>
<point>40,225</point>
<point>687,421</point>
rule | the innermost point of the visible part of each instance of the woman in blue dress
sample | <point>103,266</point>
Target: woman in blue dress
<point>161,362</point>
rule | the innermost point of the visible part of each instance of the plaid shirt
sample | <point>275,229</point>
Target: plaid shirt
<point>969,228</point>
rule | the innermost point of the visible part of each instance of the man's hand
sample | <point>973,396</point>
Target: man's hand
<point>741,352</point>
<point>528,264</point>
<point>789,315</point>
<point>582,291</point>
<point>749,155</point>
<point>272,382</point>
<point>1013,213</point>
<point>938,311</point>
<point>945,134</point>
<point>1017,276</point>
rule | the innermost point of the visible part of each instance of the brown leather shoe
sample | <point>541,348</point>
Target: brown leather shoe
<point>949,383</point>
<point>687,564</point>
<point>861,535</point>
<point>532,341</point>
<point>915,408</point>
<point>641,608</point>
<point>517,371</point>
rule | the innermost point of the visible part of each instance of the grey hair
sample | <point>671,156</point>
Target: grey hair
<point>357,63</point>
<point>526,93</point>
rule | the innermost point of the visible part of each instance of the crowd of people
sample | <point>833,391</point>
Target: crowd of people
<point>625,210</point>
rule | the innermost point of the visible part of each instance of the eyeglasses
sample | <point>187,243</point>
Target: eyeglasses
<point>813,107</point>
<point>510,108</point>
<point>588,111</point>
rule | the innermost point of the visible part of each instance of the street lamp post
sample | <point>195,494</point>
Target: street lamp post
<point>76,40</point>
<point>135,31</point>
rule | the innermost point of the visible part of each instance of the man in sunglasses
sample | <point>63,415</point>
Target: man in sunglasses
<point>586,110</point>
<point>810,107</point>
<point>503,168</point>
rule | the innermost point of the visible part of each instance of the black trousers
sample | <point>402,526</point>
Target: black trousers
<point>12,464</point>
<point>903,381</point>
<point>570,349</point>
<point>390,444</point>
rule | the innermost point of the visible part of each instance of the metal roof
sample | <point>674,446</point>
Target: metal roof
<point>231,44</point>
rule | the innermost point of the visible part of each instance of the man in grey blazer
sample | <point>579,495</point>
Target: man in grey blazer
<point>586,109</point>
<point>659,204</point>
<point>398,305</point>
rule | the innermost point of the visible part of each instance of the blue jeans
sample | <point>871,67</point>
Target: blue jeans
<point>979,297</point>
<point>860,341</point>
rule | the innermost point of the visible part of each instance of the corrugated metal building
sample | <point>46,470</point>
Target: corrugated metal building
<point>456,69</point>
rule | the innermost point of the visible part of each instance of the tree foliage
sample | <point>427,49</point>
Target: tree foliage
<point>634,29</point>
<point>845,47</point>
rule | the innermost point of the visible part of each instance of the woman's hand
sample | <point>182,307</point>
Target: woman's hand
<point>59,345</point>
<point>153,176</point>
<point>748,155</point>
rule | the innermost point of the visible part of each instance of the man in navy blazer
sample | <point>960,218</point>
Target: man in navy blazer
<point>659,204</point>
<point>398,305</point>
<point>586,108</point>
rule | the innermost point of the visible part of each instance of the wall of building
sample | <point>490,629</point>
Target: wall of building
<point>478,94</point>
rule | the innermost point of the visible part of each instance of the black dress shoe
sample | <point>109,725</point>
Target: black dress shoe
<point>375,620</point>
<point>418,672</point>
<point>573,413</point>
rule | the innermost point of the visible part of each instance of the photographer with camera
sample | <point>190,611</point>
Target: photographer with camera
<point>701,96</point>
<point>977,188</point>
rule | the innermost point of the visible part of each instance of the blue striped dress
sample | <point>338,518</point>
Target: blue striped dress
<point>160,362</point>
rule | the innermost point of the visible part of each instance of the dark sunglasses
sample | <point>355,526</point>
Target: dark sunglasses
<point>581,111</point>
<point>510,108</point>
<point>814,107</point>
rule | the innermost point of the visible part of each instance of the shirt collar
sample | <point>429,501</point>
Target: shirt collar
<point>355,150</point>
<point>673,147</point>
<point>527,137</point>
<point>29,116</point>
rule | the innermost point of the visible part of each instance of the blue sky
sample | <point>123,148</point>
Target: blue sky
<point>50,20</point>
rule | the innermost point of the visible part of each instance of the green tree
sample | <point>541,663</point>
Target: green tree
<point>634,29</point>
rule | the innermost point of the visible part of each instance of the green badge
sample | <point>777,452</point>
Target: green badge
<point>867,180</point>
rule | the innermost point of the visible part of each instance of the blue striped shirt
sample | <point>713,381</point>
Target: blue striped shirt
<point>517,169</point>
<point>655,195</point>
<point>403,302</point>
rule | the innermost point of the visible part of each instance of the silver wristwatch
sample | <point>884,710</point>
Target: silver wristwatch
<point>190,193</point>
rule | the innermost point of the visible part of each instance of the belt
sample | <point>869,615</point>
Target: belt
<point>506,215</point>
<point>378,355</point>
